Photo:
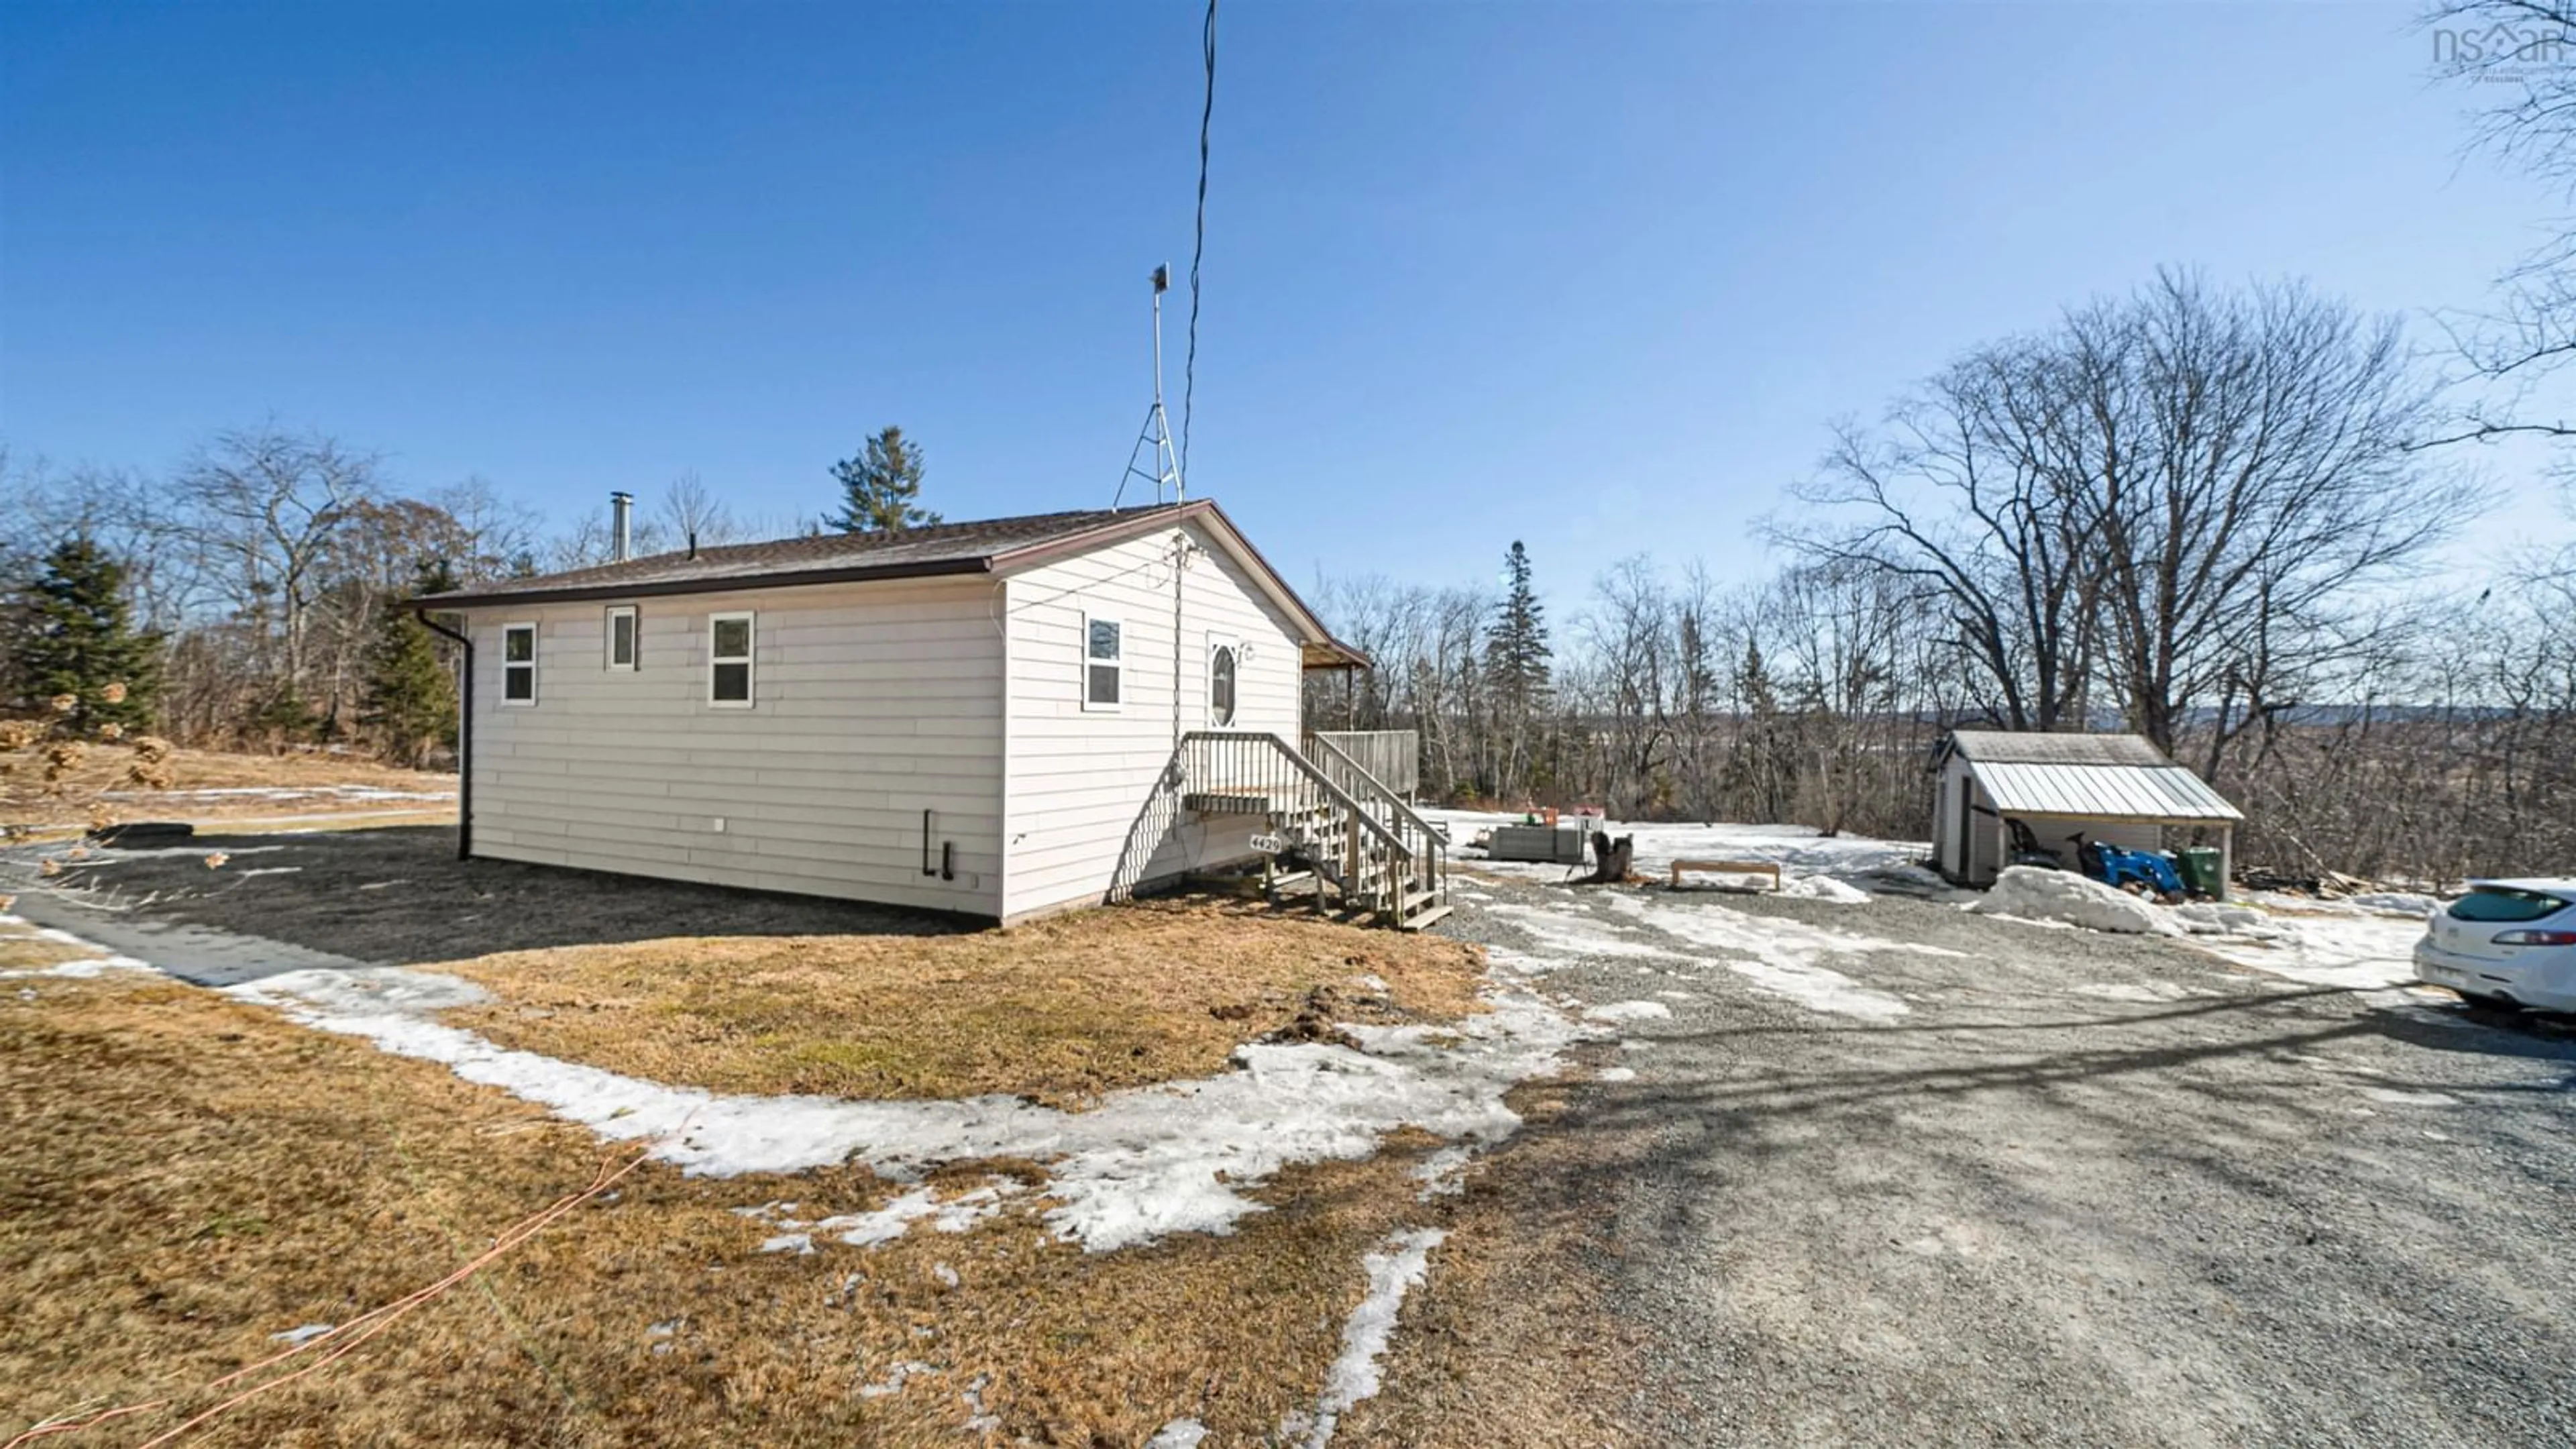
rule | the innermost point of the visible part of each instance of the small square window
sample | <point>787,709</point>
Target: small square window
<point>622,650</point>
<point>519,664</point>
<point>1103,663</point>
<point>729,660</point>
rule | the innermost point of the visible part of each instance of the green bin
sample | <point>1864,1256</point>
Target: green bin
<point>2204,869</point>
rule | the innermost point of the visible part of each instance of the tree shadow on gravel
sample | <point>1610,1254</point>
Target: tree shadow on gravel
<point>2049,1068</point>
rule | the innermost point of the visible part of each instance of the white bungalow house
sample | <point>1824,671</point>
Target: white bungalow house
<point>998,719</point>
<point>2048,790</point>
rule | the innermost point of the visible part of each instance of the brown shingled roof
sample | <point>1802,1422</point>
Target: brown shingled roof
<point>940,548</point>
<point>981,547</point>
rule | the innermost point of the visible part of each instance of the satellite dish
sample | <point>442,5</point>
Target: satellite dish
<point>1162,279</point>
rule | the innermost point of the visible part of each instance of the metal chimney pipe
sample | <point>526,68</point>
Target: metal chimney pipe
<point>621,527</point>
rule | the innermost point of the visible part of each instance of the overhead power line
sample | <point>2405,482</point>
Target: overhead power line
<point>1198,241</point>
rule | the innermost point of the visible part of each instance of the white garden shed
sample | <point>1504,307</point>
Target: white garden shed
<point>2119,789</point>
<point>999,719</point>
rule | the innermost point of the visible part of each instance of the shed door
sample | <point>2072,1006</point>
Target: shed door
<point>1967,823</point>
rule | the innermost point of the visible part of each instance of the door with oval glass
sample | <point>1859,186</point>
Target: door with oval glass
<point>1224,679</point>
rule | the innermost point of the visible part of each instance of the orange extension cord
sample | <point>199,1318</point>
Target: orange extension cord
<point>345,1338</point>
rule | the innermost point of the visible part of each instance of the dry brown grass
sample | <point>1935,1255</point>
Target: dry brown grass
<point>1059,1011</point>
<point>1510,1340</point>
<point>21,949</point>
<point>25,801</point>
<point>182,1176</point>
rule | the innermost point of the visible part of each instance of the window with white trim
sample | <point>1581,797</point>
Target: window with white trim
<point>1104,668</point>
<point>519,664</point>
<point>624,650</point>
<point>1225,665</point>
<point>729,681</point>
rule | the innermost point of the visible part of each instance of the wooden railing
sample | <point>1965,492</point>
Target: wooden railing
<point>1382,855</point>
<point>1392,757</point>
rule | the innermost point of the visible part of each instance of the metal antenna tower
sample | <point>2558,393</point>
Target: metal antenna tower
<point>1154,441</point>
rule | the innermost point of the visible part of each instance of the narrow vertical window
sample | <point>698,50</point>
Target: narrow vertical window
<point>1223,657</point>
<point>729,660</point>
<point>518,664</point>
<point>1103,663</point>
<point>622,651</point>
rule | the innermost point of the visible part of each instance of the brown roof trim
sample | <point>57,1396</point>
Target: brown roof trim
<point>711,584</point>
<point>1333,654</point>
<point>1114,530</point>
<point>1118,530</point>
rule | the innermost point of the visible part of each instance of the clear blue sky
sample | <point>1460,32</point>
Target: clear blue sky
<point>1597,276</point>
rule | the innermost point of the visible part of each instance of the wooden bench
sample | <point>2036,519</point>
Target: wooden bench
<point>1727,867</point>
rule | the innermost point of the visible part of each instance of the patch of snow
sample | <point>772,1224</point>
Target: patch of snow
<point>1617,1074</point>
<point>1834,863</point>
<point>302,1334</point>
<point>78,970</point>
<point>1443,1173</point>
<point>801,1244</point>
<point>110,853</point>
<point>268,870</point>
<point>956,1215</point>
<point>1782,956</point>
<point>280,792</point>
<point>1575,933</point>
<point>1178,1434</point>
<point>1823,888</point>
<point>893,1382</point>
<point>1393,1270</point>
<point>2396,903</point>
<point>2355,952</point>
<point>83,969</point>
<point>946,1275</point>
<point>1631,1011</point>
<point>373,992</point>
<point>2062,895</point>
<point>2214,918</point>
<point>1143,1163</point>
<point>2397,1098</point>
<point>2158,992</point>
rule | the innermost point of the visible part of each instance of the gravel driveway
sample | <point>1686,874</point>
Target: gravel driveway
<point>2009,1184</point>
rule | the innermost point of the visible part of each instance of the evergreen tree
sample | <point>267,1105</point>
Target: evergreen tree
<point>1516,649</point>
<point>1764,761</point>
<point>879,487</point>
<point>75,638</point>
<point>410,703</point>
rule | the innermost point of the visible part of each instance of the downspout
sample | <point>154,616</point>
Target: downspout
<point>464,738</point>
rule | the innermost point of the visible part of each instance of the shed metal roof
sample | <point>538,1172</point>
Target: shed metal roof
<point>2165,792</point>
<point>2031,747</point>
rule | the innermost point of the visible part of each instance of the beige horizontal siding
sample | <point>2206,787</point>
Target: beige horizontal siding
<point>1079,781</point>
<point>872,703</point>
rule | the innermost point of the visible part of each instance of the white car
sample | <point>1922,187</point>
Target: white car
<point>2506,943</point>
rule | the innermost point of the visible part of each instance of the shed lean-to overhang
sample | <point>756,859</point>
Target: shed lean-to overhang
<point>994,548</point>
<point>2105,777</point>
